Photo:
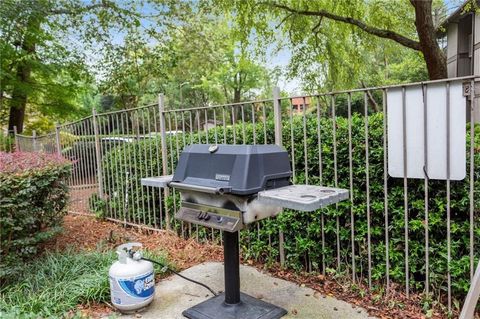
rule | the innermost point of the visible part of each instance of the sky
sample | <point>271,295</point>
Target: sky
<point>281,59</point>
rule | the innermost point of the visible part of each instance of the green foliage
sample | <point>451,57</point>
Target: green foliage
<point>303,231</point>
<point>32,203</point>
<point>82,153</point>
<point>37,64</point>
<point>48,47</point>
<point>97,205</point>
<point>122,169</point>
<point>67,139</point>
<point>198,62</point>
<point>331,55</point>
<point>56,283</point>
<point>7,142</point>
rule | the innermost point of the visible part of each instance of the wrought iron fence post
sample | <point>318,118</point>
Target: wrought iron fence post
<point>57,140</point>
<point>277,115</point>
<point>15,136</point>
<point>98,153</point>
<point>161,112</point>
<point>34,140</point>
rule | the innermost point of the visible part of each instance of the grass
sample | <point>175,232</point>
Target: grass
<point>54,284</point>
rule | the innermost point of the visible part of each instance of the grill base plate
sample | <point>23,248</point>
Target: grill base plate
<point>248,308</point>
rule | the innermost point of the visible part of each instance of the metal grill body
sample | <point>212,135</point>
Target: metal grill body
<point>226,187</point>
<point>232,169</point>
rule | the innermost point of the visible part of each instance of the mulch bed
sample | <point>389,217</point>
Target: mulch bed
<point>87,233</point>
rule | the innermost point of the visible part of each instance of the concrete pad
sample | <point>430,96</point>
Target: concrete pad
<point>174,294</point>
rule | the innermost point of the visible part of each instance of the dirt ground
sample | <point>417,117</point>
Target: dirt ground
<point>87,233</point>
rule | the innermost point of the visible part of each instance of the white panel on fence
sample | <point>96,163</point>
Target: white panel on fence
<point>436,96</point>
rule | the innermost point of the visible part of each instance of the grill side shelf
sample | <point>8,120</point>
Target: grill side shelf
<point>161,181</point>
<point>303,197</point>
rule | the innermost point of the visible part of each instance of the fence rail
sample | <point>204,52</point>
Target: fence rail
<point>391,229</point>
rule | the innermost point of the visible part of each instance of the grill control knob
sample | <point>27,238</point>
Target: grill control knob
<point>219,219</point>
<point>200,215</point>
<point>206,216</point>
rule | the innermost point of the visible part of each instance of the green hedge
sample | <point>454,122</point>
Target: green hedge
<point>33,197</point>
<point>303,231</point>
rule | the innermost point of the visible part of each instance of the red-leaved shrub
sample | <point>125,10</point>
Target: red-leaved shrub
<point>21,162</point>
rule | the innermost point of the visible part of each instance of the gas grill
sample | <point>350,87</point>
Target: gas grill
<point>227,187</point>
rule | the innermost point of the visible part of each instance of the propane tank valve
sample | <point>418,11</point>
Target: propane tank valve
<point>137,255</point>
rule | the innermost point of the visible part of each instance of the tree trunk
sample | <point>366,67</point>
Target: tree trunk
<point>434,57</point>
<point>17,111</point>
<point>236,95</point>
<point>237,87</point>
<point>19,97</point>
<point>23,75</point>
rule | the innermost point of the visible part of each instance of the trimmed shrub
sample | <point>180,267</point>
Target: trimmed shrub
<point>33,197</point>
<point>304,231</point>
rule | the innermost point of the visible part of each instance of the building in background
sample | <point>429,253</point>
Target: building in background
<point>461,34</point>
<point>299,104</point>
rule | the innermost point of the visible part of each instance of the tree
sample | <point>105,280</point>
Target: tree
<point>239,74</point>
<point>197,63</point>
<point>204,53</point>
<point>133,73</point>
<point>410,25</point>
<point>45,46</point>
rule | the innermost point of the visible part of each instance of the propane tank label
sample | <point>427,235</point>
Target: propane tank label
<point>127,291</point>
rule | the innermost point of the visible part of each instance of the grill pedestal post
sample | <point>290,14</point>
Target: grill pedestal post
<point>231,259</point>
<point>232,304</point>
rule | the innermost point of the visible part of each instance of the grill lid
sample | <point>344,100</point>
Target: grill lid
<point>234,169</point>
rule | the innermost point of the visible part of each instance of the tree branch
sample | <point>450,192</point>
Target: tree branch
<point>317,26</point>
<point>284,19</point>
<point>316,30</point>
<point>373,103</point>
<point>382,33</point>
<point>104,4</point>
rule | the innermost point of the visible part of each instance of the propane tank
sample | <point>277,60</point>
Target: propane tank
<point>132,280</point>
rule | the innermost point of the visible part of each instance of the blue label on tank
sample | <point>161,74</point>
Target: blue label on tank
<point>139,287</point>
